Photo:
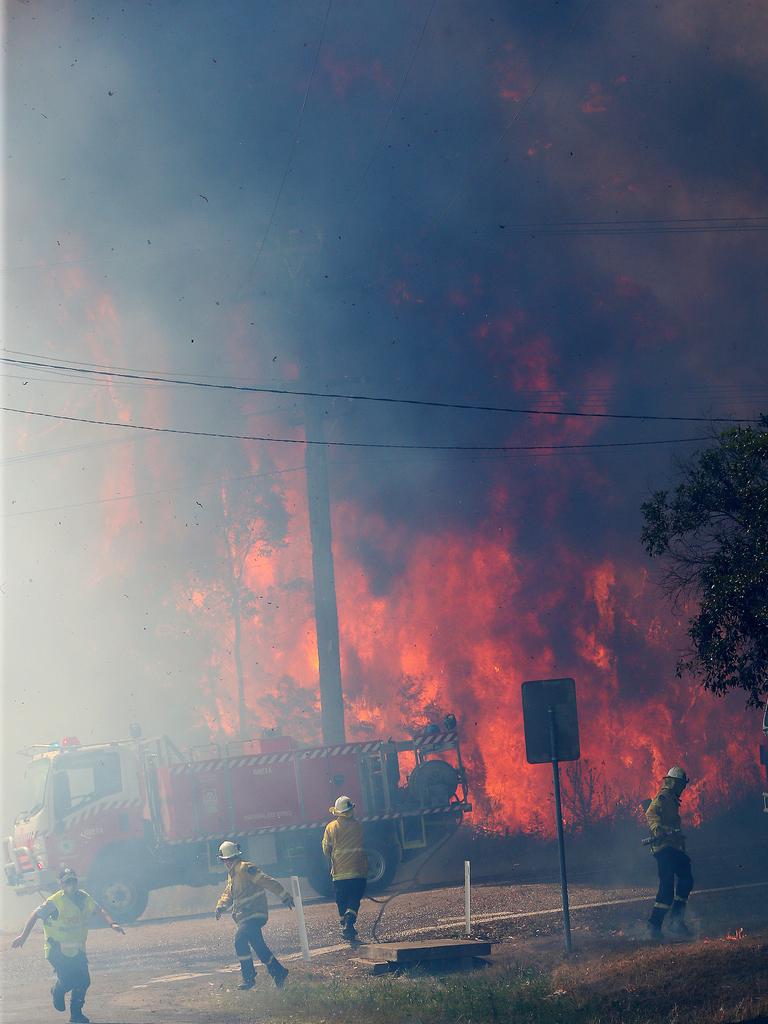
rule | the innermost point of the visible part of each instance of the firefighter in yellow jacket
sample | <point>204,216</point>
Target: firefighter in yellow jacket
<point>246,896</point>
<point>65,916</point>
<point>343,843</point>
<point>673,863</point>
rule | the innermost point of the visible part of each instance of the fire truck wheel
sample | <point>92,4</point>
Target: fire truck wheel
<point>122,895</point>
<point>319,877</point>
<point>384,858</point>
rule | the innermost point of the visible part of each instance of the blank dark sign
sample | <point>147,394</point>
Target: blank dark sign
<point>539,695</point>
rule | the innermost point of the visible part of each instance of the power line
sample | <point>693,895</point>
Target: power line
<point>651,228</point>
<point>476,458</point>
<point>462,189</point>
<point>396,100</point>
<point>663,221</point>
<point>76,363</point>
<point>667,226</point>
<point>701,389</point>
<point>150,494</point>
<point>295,146</point>
<point>71,449</point>
<point>383,399</point>
<point>352,444</point>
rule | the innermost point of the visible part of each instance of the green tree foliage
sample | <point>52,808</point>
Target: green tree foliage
<point>712,533</point>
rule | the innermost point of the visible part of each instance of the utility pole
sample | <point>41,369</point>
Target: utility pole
<point>319,506</point>
<point>324,581</point>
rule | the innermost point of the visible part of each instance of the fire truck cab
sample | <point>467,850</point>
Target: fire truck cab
<point>83,808</point>
<point>139,814</point>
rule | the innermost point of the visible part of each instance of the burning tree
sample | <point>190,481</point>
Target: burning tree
<point>589,799</point>
<point>712,532</point>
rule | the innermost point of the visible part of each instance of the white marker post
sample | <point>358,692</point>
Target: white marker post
<point>303,939</point>
<point>467,901</point>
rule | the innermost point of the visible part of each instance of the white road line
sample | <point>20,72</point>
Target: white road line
<point>320,951</point>
<point>444,922</point>
<point>174,977</point>
<point>447,922</point>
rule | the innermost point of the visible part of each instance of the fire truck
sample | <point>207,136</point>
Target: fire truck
<point>139,814</point>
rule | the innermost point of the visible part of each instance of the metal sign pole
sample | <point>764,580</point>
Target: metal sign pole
<point>560,837</point>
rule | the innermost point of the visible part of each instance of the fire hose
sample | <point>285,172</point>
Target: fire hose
<point>405,886</point>
<point>657,839</point>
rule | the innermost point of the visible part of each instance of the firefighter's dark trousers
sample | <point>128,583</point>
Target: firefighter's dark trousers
<point>248,937</point>
<point>675,883</point>
<point>72,975</point>
<point>349,892</point>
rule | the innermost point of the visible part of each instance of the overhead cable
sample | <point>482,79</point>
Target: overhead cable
<point>383,399</point>
<point>352,444</point>
<point>294,147</point>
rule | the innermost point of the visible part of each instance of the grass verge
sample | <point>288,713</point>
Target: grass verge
<point>711,982</point>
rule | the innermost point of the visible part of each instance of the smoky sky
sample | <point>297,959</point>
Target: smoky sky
<point>483,203</point>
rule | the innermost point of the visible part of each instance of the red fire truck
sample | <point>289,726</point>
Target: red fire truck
<point>139,814</point>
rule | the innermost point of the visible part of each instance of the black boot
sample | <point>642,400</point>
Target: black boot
<point>277,972</point>
<point>57,994</point>
<point>348,930</point>
<point>76,1015</point>
<point>677,925</point>
<point>248,972</point>
<point>655,922</point>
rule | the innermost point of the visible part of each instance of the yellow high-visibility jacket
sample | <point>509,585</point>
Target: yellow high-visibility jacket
<point>343,843</point>
<point>245,893</point>
<point>662,815</point>
<point>65,920</point>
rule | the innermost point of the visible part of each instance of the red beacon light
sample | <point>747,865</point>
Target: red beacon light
<point>70,741</point>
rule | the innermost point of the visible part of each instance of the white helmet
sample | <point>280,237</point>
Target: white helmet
<point>677,773</point>
<point>342,806</point>
<point>229,849</point>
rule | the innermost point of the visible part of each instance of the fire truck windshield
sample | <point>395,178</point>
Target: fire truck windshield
<point>35,779</point>
<point>82,778</point>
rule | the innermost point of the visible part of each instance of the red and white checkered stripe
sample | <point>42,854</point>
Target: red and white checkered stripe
<point>435,739</point>
<point>198,767</point>
<point>304,827</point>
<point>307,754</point>
<point>103,805</point>
<point>345,748</point>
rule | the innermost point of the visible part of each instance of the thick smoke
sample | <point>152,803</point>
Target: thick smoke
<point>388,211</point>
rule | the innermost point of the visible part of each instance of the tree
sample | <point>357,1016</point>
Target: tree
<point>256,521</point>
<point>712,533</point>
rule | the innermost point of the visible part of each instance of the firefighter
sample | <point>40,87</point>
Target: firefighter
<point>673,863</point>
<point>65,916</point>
<point>343,844</point>
<point>245,896</point>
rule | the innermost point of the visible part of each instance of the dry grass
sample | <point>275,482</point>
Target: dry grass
<point>710,982</point>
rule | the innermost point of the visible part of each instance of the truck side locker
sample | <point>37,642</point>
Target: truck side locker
<point>413,832</point>
<point>374,773</point>
<point>153,805</point>
<point>325,776</point>
<point>299,786</point>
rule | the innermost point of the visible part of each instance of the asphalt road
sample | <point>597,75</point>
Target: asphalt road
<point>162,967</point>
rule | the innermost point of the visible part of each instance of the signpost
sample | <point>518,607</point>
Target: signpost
<point>551,728</point>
